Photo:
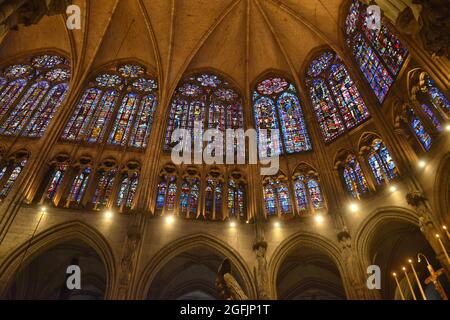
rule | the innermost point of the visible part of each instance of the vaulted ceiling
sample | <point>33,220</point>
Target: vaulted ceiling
<point>241,38</point>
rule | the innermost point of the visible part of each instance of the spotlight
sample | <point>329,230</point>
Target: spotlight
<point>276,224</point>
<point>43,209</point>
<point>393,188</point>
<point>108,214</point>
<point>353,207</point>
<point>394,274</point>
<point>422,164</point>
<point>403,268</point>
<point>232,224</point>
<point>319,219</point>
<point>247,222</point>
<point>409,260</point>
<point>447,127</point>
<point>170,220</point>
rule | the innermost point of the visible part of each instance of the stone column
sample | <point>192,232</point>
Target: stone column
<point>260,271</point>
<point>353,272</point>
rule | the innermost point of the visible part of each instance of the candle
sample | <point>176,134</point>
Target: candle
<point>443,248</point>
<point>398,286</point>
<point>418,281</point>
<point>409,284</point>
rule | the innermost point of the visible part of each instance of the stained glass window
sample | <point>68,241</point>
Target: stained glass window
<point>354,179</point>
<point>124,120</point>
<point>171,194</point>
<point>213,199</point>
<point>167,192</point>
<point>381,162</point>
<point>55,180</point>
<point>104,187</point>
<point>47,61</point>
<point>207,99</point>
<point>2,83</point>
<point>127,190</point>
<point>276,197</point>
<point>79,185</point>
<point>10,94</point>
<point>432,117</point>
<point>190,192</point>
<point>379,54</point>
<point>315,194</point>
<point>134,113</point>
<point>77,126</point>
<point>419,130</point>
<point>32,114</point>
<point>143,124</point>
<point>276,106</point>
<point>102,116</point>
<point>236,199</point>
<point>12,178</point>
<point>337,102</point>
<point>300,194</point>
<point>46,111</point>
<point>19,115</point>
<point>161,196</point>
<point>438,99</point>
<point>308,193</point>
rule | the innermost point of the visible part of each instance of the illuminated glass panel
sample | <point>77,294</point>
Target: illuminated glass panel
<point>161,196</point>
<point>18,117</point>
<point>354,179</point>
<point>124,120</point>
<point>55,181</point>
<point>143,124</point>
<point>276,107</point>
<point>300,194</point>
<point>379,53</point>
<point>381,162</point>
<point>79,185</point>
<point>438,99</point>
<point>80,119</point>
<point>102,116</point>
<point>351,105</point>
<point>376,74</point>
<point>266,119</point>
<point>12,178</point>
<point>206,99</point>
<point>47,61</point>
<point>171,194</point>
<point>270,199</point>
<point>46,111</point>
<point>432,117</point>
<point>326,111</point>
<point>315,194</point>
<point>104,187</point>
<point>10,94</point>
<point>419,130</point>
<point>236,200</point>
<point>127,190</point>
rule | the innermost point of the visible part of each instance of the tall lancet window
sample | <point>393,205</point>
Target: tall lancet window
<point>31,93</point>
<point>10,170</point>
<point>208,100</point>
<point>276,196</point>
<point>380,55</point>
<point>337,102</point>
<point>116,108</point>
<point>381,162</point>
<point>277,108</point>
<point>308,193</point>
<point>353,177</point>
